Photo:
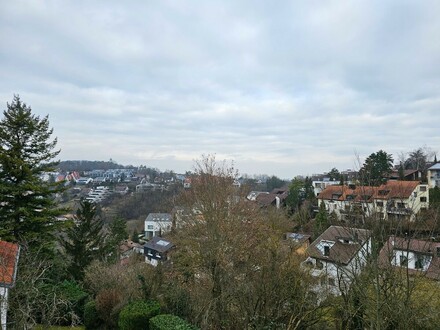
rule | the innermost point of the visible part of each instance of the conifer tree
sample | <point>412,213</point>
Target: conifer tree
<point>84,240</point>
<point>27,151</point>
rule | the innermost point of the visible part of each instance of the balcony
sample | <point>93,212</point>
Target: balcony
<point>399,210</point>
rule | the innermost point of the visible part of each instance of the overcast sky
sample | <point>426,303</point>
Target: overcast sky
<point>280,87</point>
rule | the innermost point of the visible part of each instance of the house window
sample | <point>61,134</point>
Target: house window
<point>400,205</point>
<point>423,199</point>
<point>319,264</point>
<point>420,261</point>
<point>403,261</point>
<point>150,227</point>
<point>326,250</point>
<point>379,204</point>
<point>422,188</point>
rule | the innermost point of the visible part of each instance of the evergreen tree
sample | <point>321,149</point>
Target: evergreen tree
<point>28,210</point>
<point>117,233</point>
<point>401,172</point>
<point>296,195</point>
<point>376,169</point>
<point>84,240</point>
<point>135,236</point>
<point>321,220</point>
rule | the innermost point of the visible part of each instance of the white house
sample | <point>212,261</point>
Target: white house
<point>392,200</point>
<point>336,256</point>
<point>98,194</point>
<point>434,176</point>
<point>413,255</point>
<point>9,254</point>
<point>320,185</point>
<point>157,224</point>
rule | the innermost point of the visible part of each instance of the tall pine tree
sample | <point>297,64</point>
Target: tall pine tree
<point>27,151</point>
<point>84,240</point>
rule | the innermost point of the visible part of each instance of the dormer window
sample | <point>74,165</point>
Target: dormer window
<point>326,250</point>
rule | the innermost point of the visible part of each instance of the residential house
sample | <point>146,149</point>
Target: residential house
<point>98,194</point>
<point>252,196</point>
<point>336,256</point>
<point>84,180</point>
<point>157,224</point>
<point>157,250</point>
<point>277,197</point>
<point>9,254</point>
<point>187,183</point>
<point>320,185</point>
<point>434,176</point>
<point>127,248</point>
<point>297,242</point>
<point>121,189</point>
<point>413,255</point>
<point>408,175</point>
<point>392,200</point>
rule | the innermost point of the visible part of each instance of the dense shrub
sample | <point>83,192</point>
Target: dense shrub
<point>91,317</point>
<point>108,305</point>
<point>136,315</point>
<point>169,322</point>
<point>75,295</point>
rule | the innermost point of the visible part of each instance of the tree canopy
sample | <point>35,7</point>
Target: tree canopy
<point>26,152</point>
<point>376,168</point>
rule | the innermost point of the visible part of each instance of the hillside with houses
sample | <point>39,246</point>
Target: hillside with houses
<point>211,247</point>
<point>107,246</point>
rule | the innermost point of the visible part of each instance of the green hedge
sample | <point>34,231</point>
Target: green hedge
<point>136,315</point>
<point>169,322</point>
<point>91,317</point>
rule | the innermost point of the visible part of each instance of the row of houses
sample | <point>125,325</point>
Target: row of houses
<point>340,253</point>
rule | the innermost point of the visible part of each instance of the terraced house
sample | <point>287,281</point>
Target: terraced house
<point>401,200</point>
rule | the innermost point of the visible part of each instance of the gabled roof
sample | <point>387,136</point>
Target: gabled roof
<point>340,252</point>
<point>397,189</point>
<point>413,245</point>
<point>342,193</point>
<point>159,217</point>
<point>435,167</point>
<point>265,199</point>
<point>9,253</point>
<point>159,244</point>
<point>389,190</point>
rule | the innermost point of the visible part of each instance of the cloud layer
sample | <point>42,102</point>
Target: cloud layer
<point>283,88</point>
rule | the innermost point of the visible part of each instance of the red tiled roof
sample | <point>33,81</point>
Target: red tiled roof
<point>389,190</point>
<point>8,263</point>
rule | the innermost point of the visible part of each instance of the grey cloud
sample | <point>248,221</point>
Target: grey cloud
<point>286,88</point>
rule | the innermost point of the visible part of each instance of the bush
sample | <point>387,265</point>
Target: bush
<point>91,317</point>
<point>169,322</point>
<point>108,305</point>
<point>75,295</point>
<point>136,315</point>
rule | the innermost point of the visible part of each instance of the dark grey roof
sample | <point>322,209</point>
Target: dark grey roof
<point>159,217</point>
<point>159,244</point>
<point>340,252</point>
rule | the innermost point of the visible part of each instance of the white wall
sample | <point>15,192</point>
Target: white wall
<point>3,306</point>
